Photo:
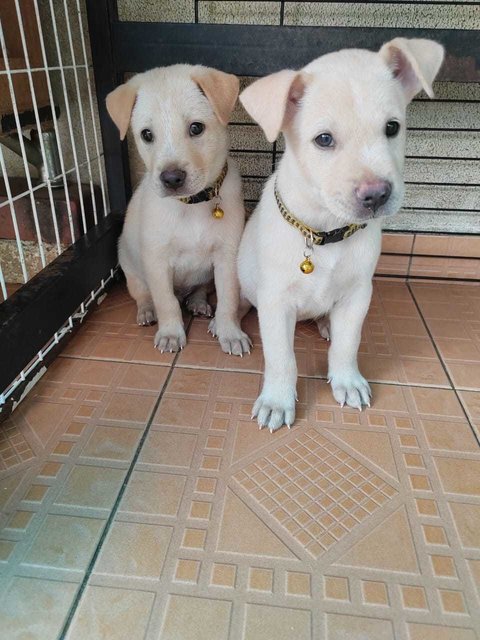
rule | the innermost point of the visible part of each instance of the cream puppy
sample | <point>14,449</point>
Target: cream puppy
<point>184,221</point>
<point>343,118</point>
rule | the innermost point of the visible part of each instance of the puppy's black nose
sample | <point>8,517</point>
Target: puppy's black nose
<point>173,178</point>
<point>372,195</point>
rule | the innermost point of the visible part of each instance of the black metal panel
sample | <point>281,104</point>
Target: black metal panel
<point>102,15</point>
<point>255,50</point>
<point>31,316</point>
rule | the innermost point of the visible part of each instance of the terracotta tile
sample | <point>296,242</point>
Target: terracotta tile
<point>6,549</point>
<point>20,520</point>
<point>111,443</point>
<point>34,608</point>
<point>392,265</point>
<point>466,518</point>
<point>397,242</point>
<point>450,436</point>
<point>432,267</point>
<point>64,542</point>
<point>8,485</point>
<point>282,623</point>
<point>122,614</point>
<point>112,334</point>
<point>215,508</point>
<point>341,626</point>
<point>134,550</point>
<point>187,571</point>
<point>452,601</point>
<point>155,494</point>
<point>374,592</point>
<point>387,353</point>
<point>298,584</point>
<point>414,597</point>
<point>452,313</point>
<point>94,487</point>
<point>168,449</point>
<point>187,413</point>
<point>443,566</point>
<point>196,619</point>
<point>336,588</point>
<point>439,632</point>
<point>223,575</point>
<point>459,476</point>
<point>448,245</point>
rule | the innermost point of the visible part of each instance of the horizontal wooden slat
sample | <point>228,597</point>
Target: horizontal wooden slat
<point>444,115</point>
<point>434,220</point>
<point>399,15</point>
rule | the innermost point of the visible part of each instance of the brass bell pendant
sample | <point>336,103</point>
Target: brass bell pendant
<point>307,266</point>
<point>218,212</point>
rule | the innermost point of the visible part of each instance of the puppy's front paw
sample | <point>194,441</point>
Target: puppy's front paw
<point>170,337</point>
<point>232,339</point>
<point>146,316</point>
<point>275,407</point>
<point>350,387</point>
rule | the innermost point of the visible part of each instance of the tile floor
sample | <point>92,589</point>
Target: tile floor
<point>139,500</point>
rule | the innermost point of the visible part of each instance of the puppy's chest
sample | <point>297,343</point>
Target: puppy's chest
<point>333,274</point>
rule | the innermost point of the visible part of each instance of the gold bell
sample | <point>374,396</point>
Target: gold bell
<point>218,212</point>
<point>307,266</point>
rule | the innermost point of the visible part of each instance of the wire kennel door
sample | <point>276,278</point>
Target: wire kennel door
<point>56,234</point>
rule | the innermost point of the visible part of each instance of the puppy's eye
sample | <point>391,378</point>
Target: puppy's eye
<point>325,140</point>
<point>147,135</point>
<point>392,128</point>
<point>196,129</point>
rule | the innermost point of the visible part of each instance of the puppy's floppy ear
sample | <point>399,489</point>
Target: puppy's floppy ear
<point>120,105</point>
<point>272,101</point>
<point>414,62</point>
<point>221,90</point>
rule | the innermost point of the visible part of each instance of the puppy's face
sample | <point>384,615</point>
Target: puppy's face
<point>348,136</point>
<point>178,116</point>
<point>343,117</point>
<point>178,135</point>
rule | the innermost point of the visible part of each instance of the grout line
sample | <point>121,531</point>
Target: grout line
<point>412,253</point>
<point>83,585</point>
<point>454,389</point>
<point>308,377</point>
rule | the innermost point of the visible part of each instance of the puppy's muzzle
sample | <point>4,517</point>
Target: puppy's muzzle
<point>173,178</point>
<point>374,194</point>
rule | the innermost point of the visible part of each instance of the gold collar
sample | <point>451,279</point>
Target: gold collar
<point>313,236</point>
<point>209,193</point>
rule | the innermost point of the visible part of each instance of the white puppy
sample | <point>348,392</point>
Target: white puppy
<point>343,117</point>
<point>185,219</point>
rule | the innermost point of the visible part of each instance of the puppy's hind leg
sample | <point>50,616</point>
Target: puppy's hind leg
<point>197,302</point>
<point>243,307</point>
<point>323,325</point>
<point>139,291</point>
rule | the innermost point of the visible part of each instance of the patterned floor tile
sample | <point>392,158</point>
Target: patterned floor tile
<point>112,333</point>
<point>452,313</point>
<point>34,608</point>
<point>116,614</point>
<point>395,344</point>
<point>349,525</point>
<point>82,423</point>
